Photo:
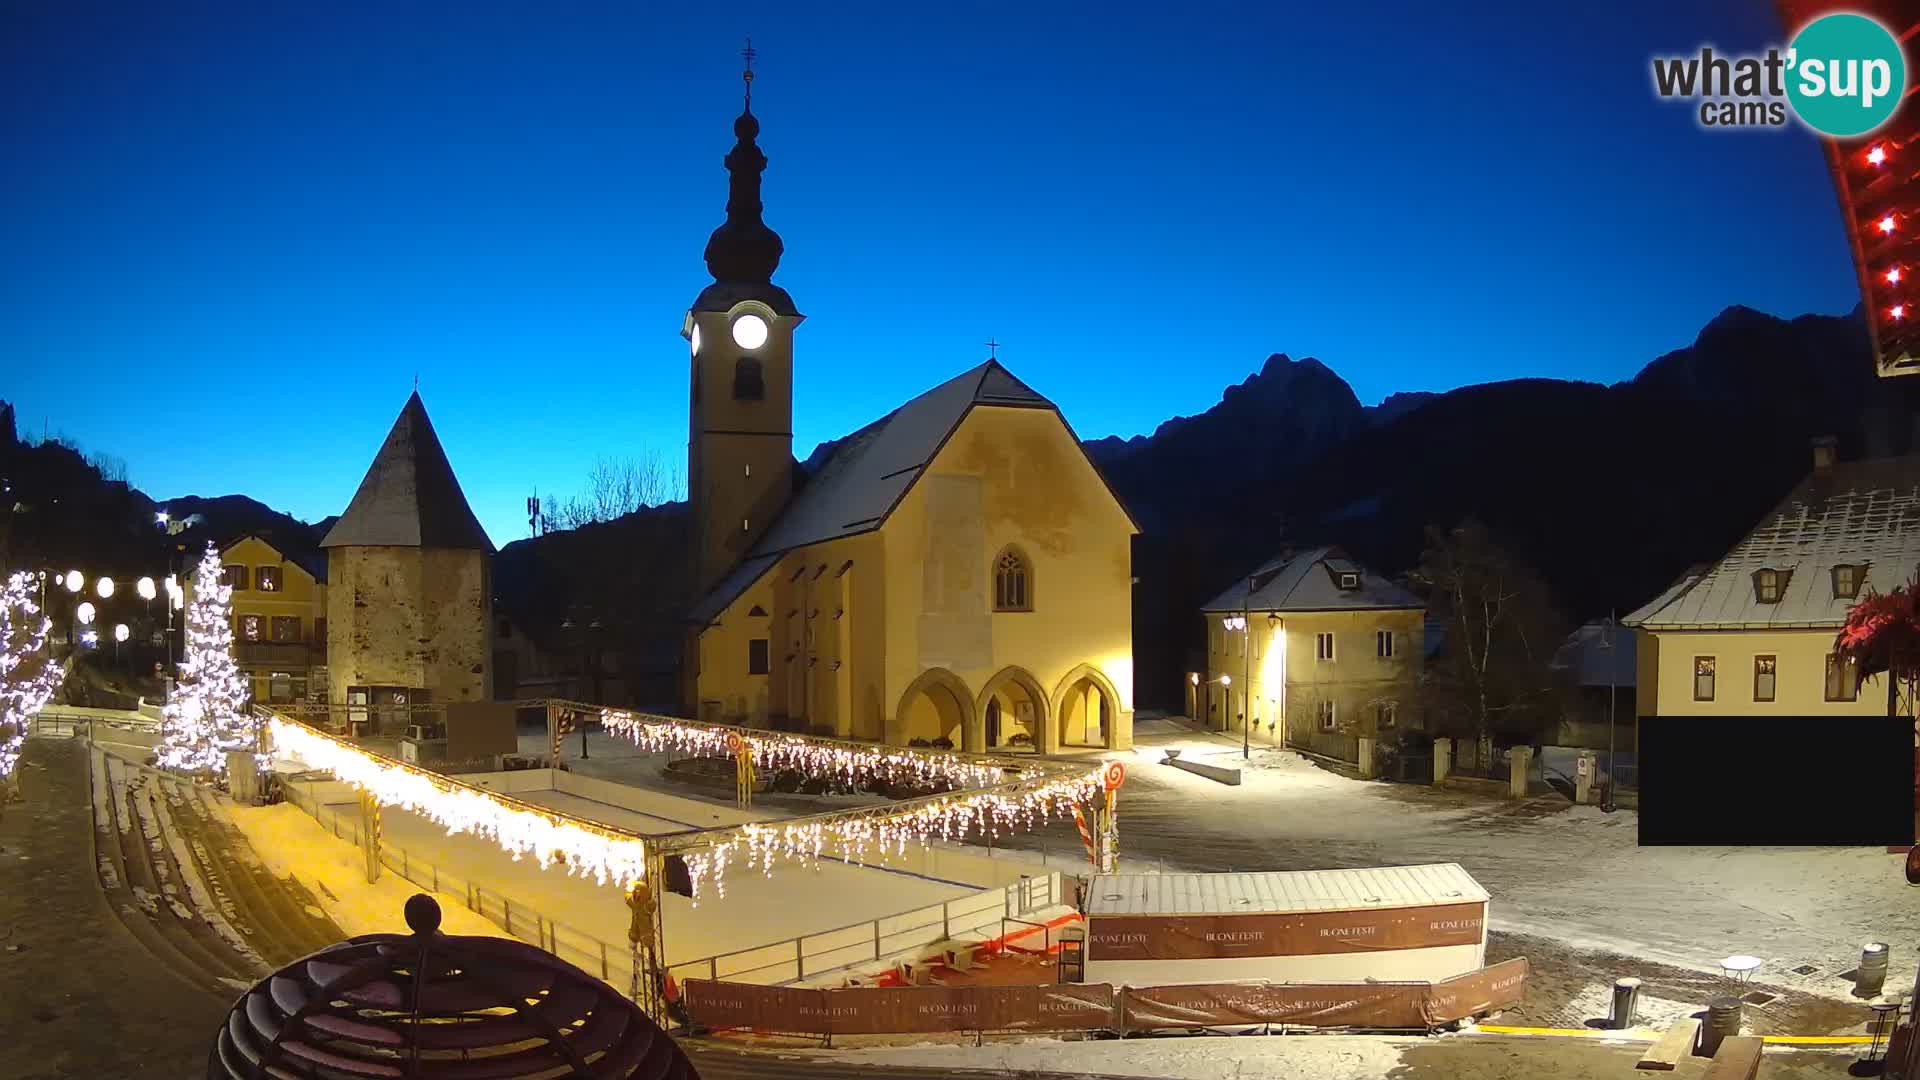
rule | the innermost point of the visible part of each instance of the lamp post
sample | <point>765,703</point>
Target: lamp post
<point>1246,667</point>
<point>1613,679</point>
<point>593,653</point>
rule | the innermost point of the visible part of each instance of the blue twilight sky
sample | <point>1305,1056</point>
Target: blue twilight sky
<point>232,234</point>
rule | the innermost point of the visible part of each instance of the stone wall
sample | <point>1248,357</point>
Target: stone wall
<point>413,617</point>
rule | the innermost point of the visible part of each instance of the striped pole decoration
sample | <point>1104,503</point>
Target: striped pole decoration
<point>1086,835</point>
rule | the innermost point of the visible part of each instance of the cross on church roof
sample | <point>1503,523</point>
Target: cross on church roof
<point>748,54</point>
<point>993,349</point>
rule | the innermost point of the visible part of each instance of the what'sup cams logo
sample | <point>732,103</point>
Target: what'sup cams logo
<point>1843,75</point>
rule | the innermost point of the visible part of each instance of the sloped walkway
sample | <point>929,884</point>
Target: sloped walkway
<point>84,996</point>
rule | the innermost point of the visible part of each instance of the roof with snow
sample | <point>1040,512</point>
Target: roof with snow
<point>409,497</point>
<point>870,471</point>
<point>1310,581</point>
<point>1249,892</point>
<point>1598,654</point>
<point>1863,514</point>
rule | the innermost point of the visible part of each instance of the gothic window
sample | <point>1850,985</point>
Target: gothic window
<point>747,382</point>
<point>1012,582</point>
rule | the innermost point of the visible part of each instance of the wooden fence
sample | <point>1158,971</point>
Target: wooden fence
<point>1100,1007</point>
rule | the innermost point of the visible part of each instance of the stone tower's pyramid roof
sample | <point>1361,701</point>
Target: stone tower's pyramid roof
<point>409,497</point>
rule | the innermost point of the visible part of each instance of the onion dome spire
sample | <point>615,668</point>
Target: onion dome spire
<point>743,249</point>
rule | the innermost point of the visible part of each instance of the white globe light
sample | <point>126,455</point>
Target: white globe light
<point>120,632</point>
<point>145,588</point>
<point>75,581</point>
<point>104,588</point>
<point>84,612</point>
<point>696,339</point>
<point>749,331</point>
<point>179,600</point>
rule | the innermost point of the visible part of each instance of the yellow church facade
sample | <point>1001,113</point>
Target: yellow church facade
<point>955,574</point>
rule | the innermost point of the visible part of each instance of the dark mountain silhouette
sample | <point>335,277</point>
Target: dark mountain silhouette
<point>1609,491</point>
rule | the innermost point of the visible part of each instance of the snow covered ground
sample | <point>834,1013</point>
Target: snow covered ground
<point>1322,1057</point>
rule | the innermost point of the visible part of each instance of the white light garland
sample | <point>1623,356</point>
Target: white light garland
<point>850,763</point>
<point>28,674</point>
<point>585,852</point>
<point>855,837</point>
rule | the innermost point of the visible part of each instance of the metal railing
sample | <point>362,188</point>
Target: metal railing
<point>810,956</point>
<point>611,961</point>
<point>58,723</point>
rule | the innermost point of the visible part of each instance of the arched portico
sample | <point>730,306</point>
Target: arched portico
<point>937,705</point>
<point>1086,709</point>
<point>1021,705</point>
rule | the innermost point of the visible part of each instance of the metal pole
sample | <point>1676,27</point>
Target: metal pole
<point>1613,677</point>
<point>1246,671</point>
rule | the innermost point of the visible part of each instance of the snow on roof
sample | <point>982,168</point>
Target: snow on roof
<point>409,497</point>
<point>1249,892</point>
<point>1863,513</point>
<point>1305,582</point>
<point>870,472</point>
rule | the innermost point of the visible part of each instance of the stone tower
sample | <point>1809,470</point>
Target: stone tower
<point>409,600</point>
<point>740,330</point>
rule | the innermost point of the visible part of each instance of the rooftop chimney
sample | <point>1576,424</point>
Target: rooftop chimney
<point>1824,449</point>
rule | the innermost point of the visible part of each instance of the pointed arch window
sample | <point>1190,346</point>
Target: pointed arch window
<point>1012,581</point>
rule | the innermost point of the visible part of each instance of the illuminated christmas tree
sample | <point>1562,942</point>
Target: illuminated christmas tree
<point>207,714</point>
<point>28,674</point>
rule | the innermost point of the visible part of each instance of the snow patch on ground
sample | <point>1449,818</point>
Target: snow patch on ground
<point>1200,1057</point>
<point>290,842</point>
<point>1596,1001</point>
<point>203,902</point>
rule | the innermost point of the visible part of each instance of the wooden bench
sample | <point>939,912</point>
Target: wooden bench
<point>1675,1044</point>
<point>1737,1059</point>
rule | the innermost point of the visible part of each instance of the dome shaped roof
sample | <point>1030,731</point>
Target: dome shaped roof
<point>429,1004</point>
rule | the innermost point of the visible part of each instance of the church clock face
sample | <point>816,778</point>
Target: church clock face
<point>749,331</point>
<point>696,339</point>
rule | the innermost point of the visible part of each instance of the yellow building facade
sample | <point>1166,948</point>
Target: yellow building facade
<point>1316,652</point>
<point>1753,633</point>
<point>955,574</point>
<point>279,619</point>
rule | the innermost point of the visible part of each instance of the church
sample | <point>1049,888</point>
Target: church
<point>955,574</point>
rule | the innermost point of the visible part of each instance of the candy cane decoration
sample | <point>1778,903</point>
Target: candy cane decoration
<point>1086,836</point>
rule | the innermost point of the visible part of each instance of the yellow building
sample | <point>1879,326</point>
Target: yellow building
<point>1753,633</point>
<point>279,618</point>
<point>1318,650</point>
<point>955,572</point>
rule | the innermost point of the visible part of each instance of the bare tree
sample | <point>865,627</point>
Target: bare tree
<point>615,488</point>
<point>1493,673</point>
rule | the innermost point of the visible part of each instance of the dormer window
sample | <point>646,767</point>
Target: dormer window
<point>1846,581</point>
<point>1349,581</point>
<point>1768,585</point>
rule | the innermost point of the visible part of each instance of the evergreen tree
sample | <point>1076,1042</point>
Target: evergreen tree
<point>206,716</point>
<point>28,674</point>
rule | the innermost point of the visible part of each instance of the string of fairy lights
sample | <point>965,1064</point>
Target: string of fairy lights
<point>585,850</point>
<point>1889,226</point>
<point>609,855</point>
<point>858,837</point>
<point>850,763</point>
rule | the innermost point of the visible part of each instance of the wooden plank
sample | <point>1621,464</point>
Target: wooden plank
<point>1737,1059</point>
<point>1672,1046</point>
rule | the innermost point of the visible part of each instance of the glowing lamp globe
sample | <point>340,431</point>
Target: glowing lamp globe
<point>104,587</point>
<point>84,612</point>
<point>749,331</point>
<point>145,588</point>
<point>120,632</point>
<point>75,581</point>
<point>429,1004</point>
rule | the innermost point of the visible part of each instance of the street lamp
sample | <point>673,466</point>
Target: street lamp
<point>104,587</point>
<point>1607,631</point>
<point>84,612</point>
<point>145,588</point>
<point>75,581</point>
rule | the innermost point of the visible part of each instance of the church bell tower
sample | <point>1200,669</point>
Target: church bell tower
<point>740,333</point>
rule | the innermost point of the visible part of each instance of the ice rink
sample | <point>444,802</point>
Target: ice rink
<point>756,910</point>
